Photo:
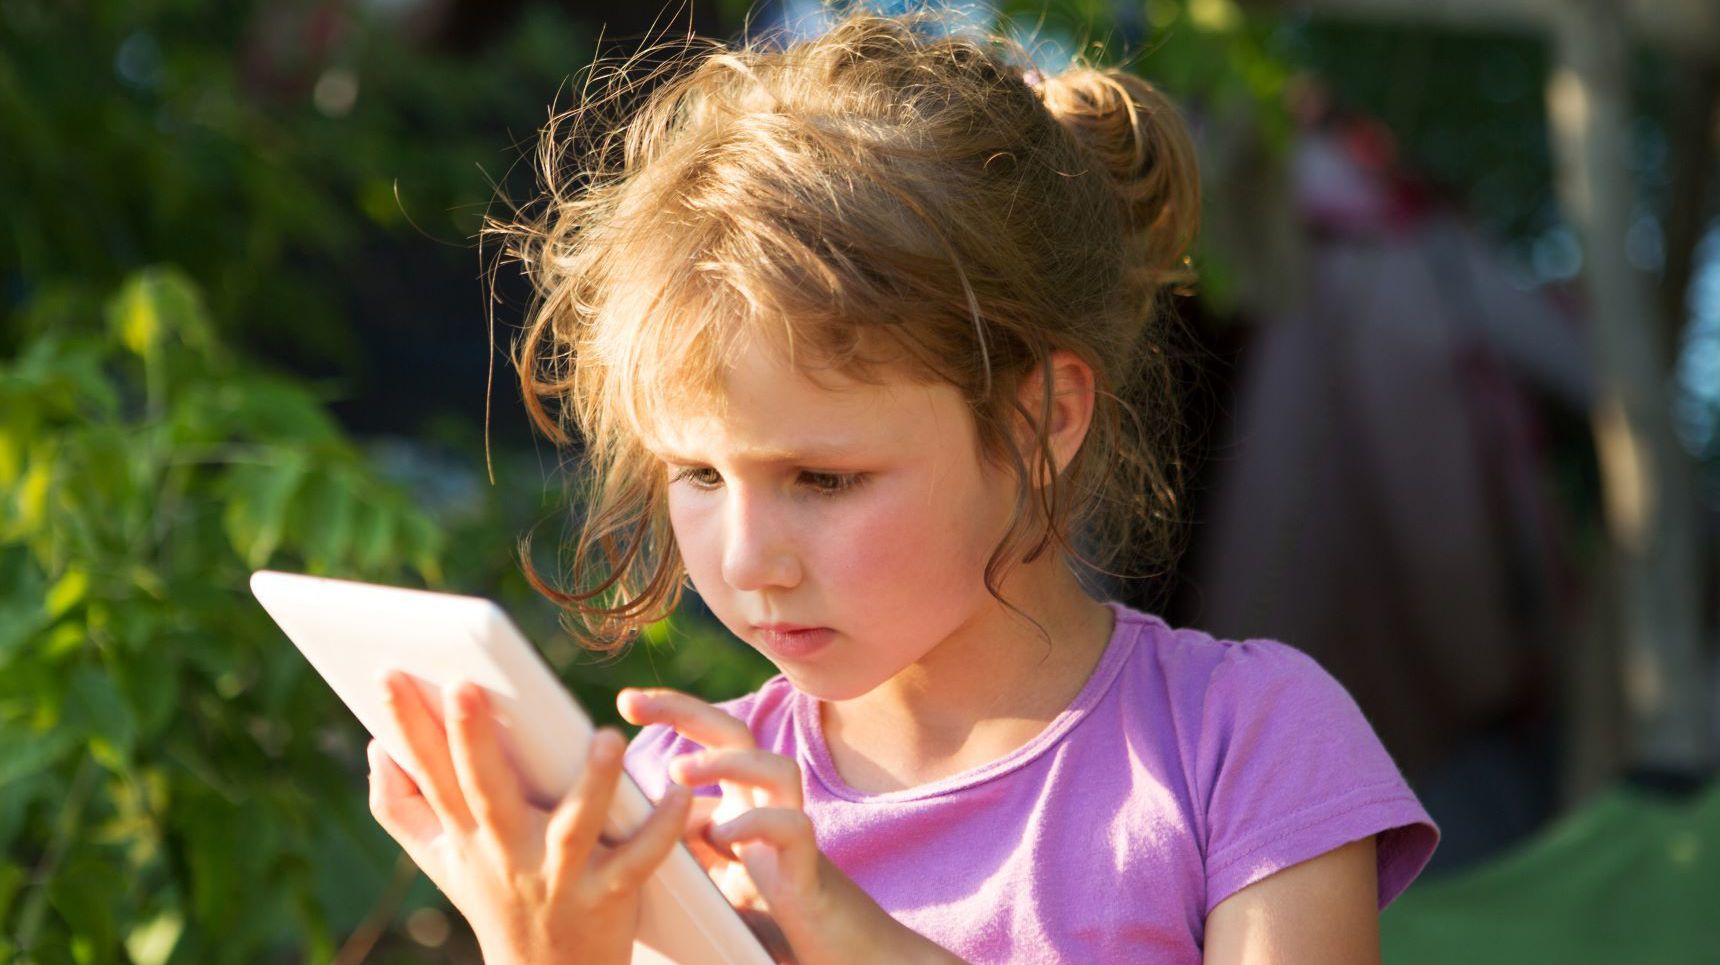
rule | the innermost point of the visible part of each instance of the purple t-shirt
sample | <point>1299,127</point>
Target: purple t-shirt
<point>1186,769</point>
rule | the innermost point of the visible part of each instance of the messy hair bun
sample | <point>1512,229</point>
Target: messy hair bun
<point>893,194</point>
<point>1139,137</point>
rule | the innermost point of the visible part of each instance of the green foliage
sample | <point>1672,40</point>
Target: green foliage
<point>265,148</point>
<point>165,758</point>
<point>176,785</point>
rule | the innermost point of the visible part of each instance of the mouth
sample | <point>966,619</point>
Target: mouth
<point>791,641</point>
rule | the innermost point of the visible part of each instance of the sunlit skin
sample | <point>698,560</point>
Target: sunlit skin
<point>868,510</point>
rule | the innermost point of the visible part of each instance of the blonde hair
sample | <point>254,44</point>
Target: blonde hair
<point>889,197</point>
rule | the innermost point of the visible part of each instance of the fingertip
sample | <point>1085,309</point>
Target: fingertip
<point>681,769</point>
<point>464,698</point>
<point>627,702</point>
<point>606,745</point>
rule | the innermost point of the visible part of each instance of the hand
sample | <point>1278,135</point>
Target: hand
<point>535,885</point>
<point>758,844</point>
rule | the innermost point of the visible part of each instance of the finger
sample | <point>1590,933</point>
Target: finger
<point>491,788</point>
<point>699,813</point>
<point>628,865</point>
<point>709,856</point>
<point>787,830</point>
<point>428,744</point>
<point>691,717</point>
<point>578,820</point>
<point>775,775</point>
<point>396,804</point>
<point>693,831</point>
<point>392,780</point>
<point>779,851</point>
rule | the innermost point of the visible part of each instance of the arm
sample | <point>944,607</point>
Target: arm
<point>1323,910</point>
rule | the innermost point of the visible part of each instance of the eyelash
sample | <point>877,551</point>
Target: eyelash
<point>843,482</point>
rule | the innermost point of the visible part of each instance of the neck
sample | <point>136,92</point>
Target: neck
<point>982,692</point>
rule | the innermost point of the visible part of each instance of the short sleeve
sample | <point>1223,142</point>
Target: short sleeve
<point>648,755</point>
<point>1290,770</point>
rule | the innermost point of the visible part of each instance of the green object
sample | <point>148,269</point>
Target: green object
<point>1632,877</point>
<point>176,784</point>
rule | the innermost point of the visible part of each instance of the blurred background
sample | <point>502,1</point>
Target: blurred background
<point>1454,370</point>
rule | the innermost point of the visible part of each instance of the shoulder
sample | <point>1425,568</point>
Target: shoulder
<point>767,712</point>
<point>1229,683</point>
<point>1282,766</point>
<point>1223,681</point>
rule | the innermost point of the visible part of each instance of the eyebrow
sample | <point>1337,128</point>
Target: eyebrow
<point>772,456</point>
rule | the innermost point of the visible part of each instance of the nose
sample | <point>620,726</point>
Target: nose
<point>758,544</point>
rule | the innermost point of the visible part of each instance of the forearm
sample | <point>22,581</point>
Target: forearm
<point>850,927</point>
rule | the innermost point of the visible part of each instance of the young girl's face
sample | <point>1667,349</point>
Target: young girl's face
<point>843,532</point>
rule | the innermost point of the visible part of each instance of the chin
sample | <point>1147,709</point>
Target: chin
<point>834,691</point>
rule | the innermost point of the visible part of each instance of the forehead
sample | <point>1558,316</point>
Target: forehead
<point>760,408</point>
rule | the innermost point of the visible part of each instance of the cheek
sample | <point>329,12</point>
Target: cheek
<point>696,538</point>
<point>920,541</point>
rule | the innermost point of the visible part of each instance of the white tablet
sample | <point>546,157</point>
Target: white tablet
<point>353,632</point>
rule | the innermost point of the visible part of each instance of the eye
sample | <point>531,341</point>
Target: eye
<point>819,483</point>
<point>831,483</point>
<point>701,477</point>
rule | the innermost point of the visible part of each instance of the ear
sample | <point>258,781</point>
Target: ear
<point>1071,408</point>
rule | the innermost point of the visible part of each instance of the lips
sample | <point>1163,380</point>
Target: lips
<point>792,641</point>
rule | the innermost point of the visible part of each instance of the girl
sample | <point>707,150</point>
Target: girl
<point>862,338</point>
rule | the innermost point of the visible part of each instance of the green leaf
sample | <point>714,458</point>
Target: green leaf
<point>329,510</point>
<point>67,592</point>
<point>152,942</point>
<point>424,547</point>
<point>230,849</point>
<point>375,543</point>
<point>15,805</point>
<point>94,705</point>
<point>157,303</point>
<point>20,622</point>
<point>12,878</point>
<point>87,894</point>
<point>17,427</point>
<point>135,317</point>
<point>149,683</point>
<point>30,506</point>
<point>256,514</point>
<point>24,751</point>
<point>274,411</point>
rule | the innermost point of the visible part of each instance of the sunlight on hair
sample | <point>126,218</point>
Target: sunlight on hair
<point>890,197</point>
